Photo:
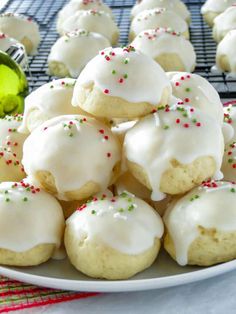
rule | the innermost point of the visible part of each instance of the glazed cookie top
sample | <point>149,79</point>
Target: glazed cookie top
<point>174,5</point>
<point>125,223</point>
<point>155,42</point>
<point>201,208</point>
<point>75,49</point>
<point>71,7</point>
<point>91,20</point>
<point>229,162</point>
<point>51,99</point>
<point>158,17</point>
<point>217,6</point>
<point>20,26</point>
<point>194,89</point>
<point>224,22</point>
<point>6,42</point>
<point>125,73</point>
<point>227,47</point>
<point>10,139</point>
<point>82,146</point>
<point>24,205</point>
<point>168,135</point>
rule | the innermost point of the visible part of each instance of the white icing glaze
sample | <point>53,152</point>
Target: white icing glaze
<point>229,162</point>
<point>23,215</point>
<point>93,21</point>
<point>6,42</point>
<point>227,47</point>
<point>20,27</point>
<point>181,132</point>
<point>75,5</point>
<point>217,6</point>
<point>127,224</point>
<point>202,207</point>
<point>75,50</point>
<point>194,89</point>
<point>120,129</point>
<point>155,42</point>
<point>51,99</point>
<point>174,5</point>
<point>224,23</point>
<point>230,119</point>
<point>120,72</point>
<point>158,17</point>
<point>10,138</point>
<point>79,150</point>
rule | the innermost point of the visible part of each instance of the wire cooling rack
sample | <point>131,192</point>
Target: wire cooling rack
<point>45,13</point>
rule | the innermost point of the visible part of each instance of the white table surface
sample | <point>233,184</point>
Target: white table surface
<point>212,296</point>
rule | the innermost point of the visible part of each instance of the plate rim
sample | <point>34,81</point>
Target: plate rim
<point>119,285</point>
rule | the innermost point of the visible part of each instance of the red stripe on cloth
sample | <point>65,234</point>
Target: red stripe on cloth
<point>22,291</point>
<point>232,102</point>
<point>22,306</point>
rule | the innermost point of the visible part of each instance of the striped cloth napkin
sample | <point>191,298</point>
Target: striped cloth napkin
<point>15,295</point>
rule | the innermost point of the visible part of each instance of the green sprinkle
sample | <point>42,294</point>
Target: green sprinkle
<point>71,134</point>
<point>166,127</point>
<point>129,200</point>
<point>194,120</point>
<point>185,115</point>
<point>93,212</point>
<point>126,61</point>
<point>123,194</point>
<point>130,208</point>
<point>232,190</point>
<point>121,210</point>
<point>125,76</point>
<point>193,198</point>
<point>6,192</point>
<point>230,160</point>
<point>25,199</point>
<point>187,89</point>
<point>113,72</point>
<point>7,200</point>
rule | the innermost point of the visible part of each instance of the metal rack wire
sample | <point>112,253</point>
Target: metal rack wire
<point>45,12</point>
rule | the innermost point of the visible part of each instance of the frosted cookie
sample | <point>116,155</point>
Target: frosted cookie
<point>226,53</point>
<point>121,83</point>
<point>81,159</point>
<point>224,23</point>
<point>158,17</point>
<point>174,149</point>
<point>174,5</point>
<point>113,238</point>
<point>229,162</point>
<point>171,50</point>
<point>21,28</point>
<point>25,238</point>
<point>76,5</point>
<point>92,21</point>
<point>194,89</point>
<point>198,231</point>
<point>49,100</point>
<point>212,8</point>
<point>72,52</point>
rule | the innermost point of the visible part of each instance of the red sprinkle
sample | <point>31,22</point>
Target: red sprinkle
<point>106,91</point>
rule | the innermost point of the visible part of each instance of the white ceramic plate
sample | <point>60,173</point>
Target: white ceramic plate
<point>163,273</point>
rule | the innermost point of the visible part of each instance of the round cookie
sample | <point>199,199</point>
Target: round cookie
<point>81,159</point>
<point>121,83</point>
<point>229,162</point>
<point>198,231</point>
<point>174,149</point>
<point>113,238</point>
<point>92,21</point>
<point>48,101</point>
<point>171,50</point>
<point>76,5</point>
<point>71,52</point>
<point>25,239</point>
<point>21,28</point>
<point>226,53</point>
<point>212,8</point>
<point>174,5</point>
<point>224,23</point>
<point>194,89</point>
<point>158,17</point>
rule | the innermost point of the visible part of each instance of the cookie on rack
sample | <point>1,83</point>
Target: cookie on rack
<point>158,17</point>
<point>224,23</point>
<point>113,238</point>
<point>226,52</point>
<point>195,89</point>
<point>177,6</point>
<point>49,100</point>
<point>21,28</point>
<point>25,238</point>
<point>92,21</point>
<point>82,156</point>
<point>71,52</point>
<point>76,5</point>
<point>198,231</point>
<point>168,48</point>
<point>212,8</point>
<point>121,83</point>
<point>174,149</point>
